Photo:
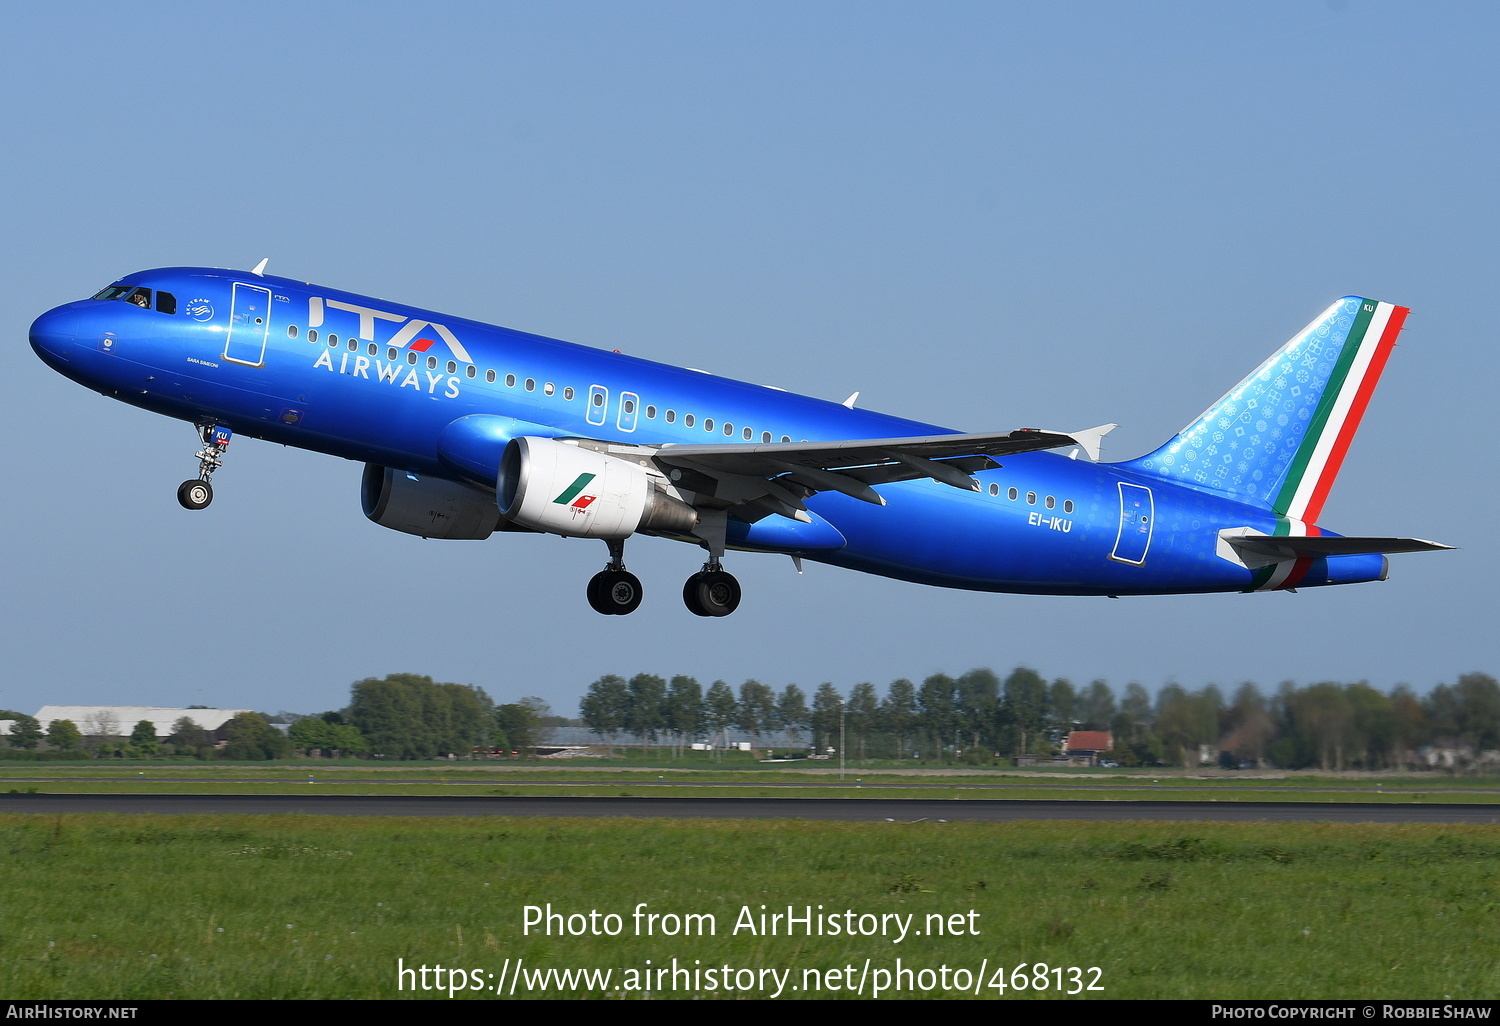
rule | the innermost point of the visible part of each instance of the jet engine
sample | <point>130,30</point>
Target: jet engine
<point>565,489</point>
<point>427,506</point>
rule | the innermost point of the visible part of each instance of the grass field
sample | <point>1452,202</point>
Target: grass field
<point>98,906</point>
<point>590,779</point>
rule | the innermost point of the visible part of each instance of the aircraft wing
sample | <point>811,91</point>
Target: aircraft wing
<point>755,480</point>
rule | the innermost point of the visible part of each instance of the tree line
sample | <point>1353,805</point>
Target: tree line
<point>979,717</point>
<point>400,716</point>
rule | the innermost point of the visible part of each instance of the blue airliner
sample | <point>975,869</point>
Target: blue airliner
<point>466,429</point>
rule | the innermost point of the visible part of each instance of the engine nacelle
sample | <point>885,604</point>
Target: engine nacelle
<point>552,486</point>
<point>427,506</point>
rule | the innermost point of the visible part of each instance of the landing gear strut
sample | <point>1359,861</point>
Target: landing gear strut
<point>198,493</point>
<point>712,591</point>
<point>614,590</point>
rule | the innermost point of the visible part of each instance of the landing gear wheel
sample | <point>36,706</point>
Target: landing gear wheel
<point>711,593</point>
<point>614,592</point>
<point>195,494</point>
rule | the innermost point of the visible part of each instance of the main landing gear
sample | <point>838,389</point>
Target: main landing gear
<point>198,493</point>
<point>711,591</point>
<point>615,591</point>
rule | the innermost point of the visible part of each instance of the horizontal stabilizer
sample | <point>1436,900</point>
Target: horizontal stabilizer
<point>1282,547</point>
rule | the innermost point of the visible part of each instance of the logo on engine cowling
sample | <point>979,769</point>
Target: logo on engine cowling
<point>572,496</point>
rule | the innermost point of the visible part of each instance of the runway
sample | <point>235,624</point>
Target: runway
<point>986,810</point>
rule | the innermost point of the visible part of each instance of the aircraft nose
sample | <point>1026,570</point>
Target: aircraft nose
<point>54,334</point>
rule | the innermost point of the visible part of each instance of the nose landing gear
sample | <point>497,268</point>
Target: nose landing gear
<point>198,492</point>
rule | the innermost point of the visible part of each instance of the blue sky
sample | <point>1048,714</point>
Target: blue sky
<point>983,215</point>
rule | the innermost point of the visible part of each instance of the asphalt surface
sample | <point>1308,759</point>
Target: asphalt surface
<point>990,810</point>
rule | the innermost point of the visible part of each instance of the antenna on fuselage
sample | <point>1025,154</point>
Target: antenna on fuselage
<point>260,268</point>
<point>849,402</point>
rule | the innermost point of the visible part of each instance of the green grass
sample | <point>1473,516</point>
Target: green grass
<point>110,906</point>
<point>506,779</point>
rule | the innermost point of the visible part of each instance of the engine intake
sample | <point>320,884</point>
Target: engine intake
<point>552,486</point>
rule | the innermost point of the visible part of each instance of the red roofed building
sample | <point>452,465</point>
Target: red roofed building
<point>1089,744</point>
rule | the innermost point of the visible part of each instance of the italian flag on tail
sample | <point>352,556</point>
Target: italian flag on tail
<point>1310,476</point>
<point>1336,418</point>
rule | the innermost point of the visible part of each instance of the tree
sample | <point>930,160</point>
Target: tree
<point>26,732</point>
<point>1096,707</point>
<point>791,710</point>
<point>827,707</point>
<point>408,716</point>
<point>63,735</point>
<point>519,723</point>
<point>143,739</point>
<point>250,737</point>
<point>647,712</point>
<point>898,711</point>
<point>864,710</point>
<point>757,708</point>
<point>605,706</point>
<point>684,707</point>
<point>1062,705</point>
<point>1024,705</point>
<point>978,706</point>
<point>189,738</point>
<point>329,737</point>
<point>720,707</point>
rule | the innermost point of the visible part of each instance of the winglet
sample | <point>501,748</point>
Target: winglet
<point>1089,440</point>
<point>260,268</point>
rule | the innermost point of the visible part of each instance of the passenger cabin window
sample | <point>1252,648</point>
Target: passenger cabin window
<point>489,376</point>
<point>411,358</point>
<point>765,436</point>
<point>1051,502</point>
<point>568,393</point>
<point>651,413</point>
<point>1011,495</point>
<point>470,371</point>
<point>312,334</point>
<point>392,353</point>
<point>549,388</point>
<point>510,381</point>
<point>994,489</point>
<point>1031,498</point>
<point>687,419</point>
<point>452,366</point>
<point>1067,505</point>
<point>291,331</point>
<point>671,416</point>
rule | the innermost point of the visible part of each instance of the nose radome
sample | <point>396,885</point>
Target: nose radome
<point>54,333</point>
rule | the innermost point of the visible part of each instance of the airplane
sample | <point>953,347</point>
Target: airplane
<point>466,429</point>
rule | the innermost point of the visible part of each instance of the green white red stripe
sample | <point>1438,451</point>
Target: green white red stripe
<point>1336,418</point>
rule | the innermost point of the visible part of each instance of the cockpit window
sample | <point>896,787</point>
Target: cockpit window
<point>165,302</point>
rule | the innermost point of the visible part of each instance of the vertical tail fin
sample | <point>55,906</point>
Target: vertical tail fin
<point>1278,438</point>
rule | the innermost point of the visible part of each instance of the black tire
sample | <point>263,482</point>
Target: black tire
<point>195,494</point>
<point>615,592</point>
<point>715,592</point>
<point>690,596</point>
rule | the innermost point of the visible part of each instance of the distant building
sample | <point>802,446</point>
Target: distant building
<point>120,720</point>
<point>1088,744</point>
